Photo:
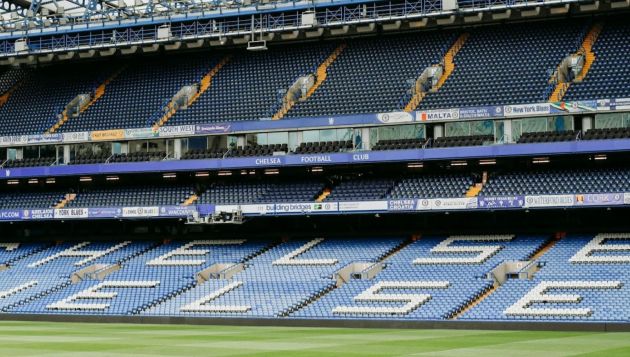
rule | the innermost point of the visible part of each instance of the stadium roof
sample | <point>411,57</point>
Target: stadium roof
<point>24,14</point>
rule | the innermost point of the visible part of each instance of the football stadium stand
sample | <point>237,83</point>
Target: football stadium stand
<point>475,277</point>
<point>368,76</point>
<point>439,166</point>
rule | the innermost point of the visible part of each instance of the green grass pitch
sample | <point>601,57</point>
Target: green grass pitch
<point>82,339</point>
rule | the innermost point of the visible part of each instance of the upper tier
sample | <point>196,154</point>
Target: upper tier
<point>497,65</point>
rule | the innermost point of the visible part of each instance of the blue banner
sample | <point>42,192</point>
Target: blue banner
<point>489,151</point>
<point>501,202</point>
<point>11,215</point>
<point>105,212</point>
<point>481,112</point>
<point>440,204</point>
<point>47,213</point>
<point>599,199</point>
<point>401,205</point>
<point>177,211</point>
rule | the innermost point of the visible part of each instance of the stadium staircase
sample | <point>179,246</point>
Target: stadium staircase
<point>449,64</point>
<point>69,198</point>
<point>449,67</point>
<point>589,57</point>
<point>333,286</point>
<point>548,245</point>
<point>475,302</point>
<point>204,85</point>
<point>99,92</point>
<point>4,98</point>
<point>320,76</point>
<point>474,190</point>
<point>324,194</point>
<point>190,200</point>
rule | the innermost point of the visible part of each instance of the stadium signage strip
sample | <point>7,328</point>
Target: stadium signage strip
<point>470,113</point>
<point>345,158</point>
<point>348,207</point>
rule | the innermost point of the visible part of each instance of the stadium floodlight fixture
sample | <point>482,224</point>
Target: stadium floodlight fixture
<point>170,175</point>
<point>85,179</point>
<point>317,169</point>
<point>225,173</point>
<point>459,163</point>
<point>415,165</point>
<point>244,172</point>
<point>540,160</point>
<point>487,162</point>
<point>202,174</point>
<point>112,178</point>
<point>272,171</point>
<point>13,182</point>
<point>33,181</point>
<point>600,157</point>
<point>50,180</point>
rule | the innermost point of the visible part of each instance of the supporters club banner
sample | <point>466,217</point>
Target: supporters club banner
<point>254,209</point>
<point>45,139</point>
<point>401,205</point>
<point>47,213</point>
<point>549,201</point>
<point>480,112</point>
<point>448,114</point>
<point>309,207</point>
<point>105,212</point>
<point>381,206</point>
<point>133,212</point>
<point>71,213</point>
<point>173,131</point>
<point>455,203</point>
<point>599,199</point>
<point>446,204</point>
<point>177,211</point>
<point>501,202</point>
<point>365,206</point>
<point>526,109</point>
<point>613,104</point>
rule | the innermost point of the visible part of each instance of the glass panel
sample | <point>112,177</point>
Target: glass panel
<point>344,134</point>
<point>117,148</point>
<point>170,148</point>
<point>12,154</point>
<point>373,136</point>
<point>612,120</point>
<point>293,140</point>
<point>256,139</point>
<point>457,129</point>
<point>30,152</point>
<point>278,138</point>
<point>47,151</point>
<point>482,127</point>
<point>328,135</point>
<point>214,143</point>
<point>358,139</point>
<point>232,141</point>
<point>310,136</point>
<point>156,146</point>
<point>560,123</point>
<point>499,129</point>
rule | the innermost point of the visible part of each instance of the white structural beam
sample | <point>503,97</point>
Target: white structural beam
<point>189,253</point>
<point>539,294</point>
<point>410,301</point>
<point>292,258</point>
<point>449,253</point>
